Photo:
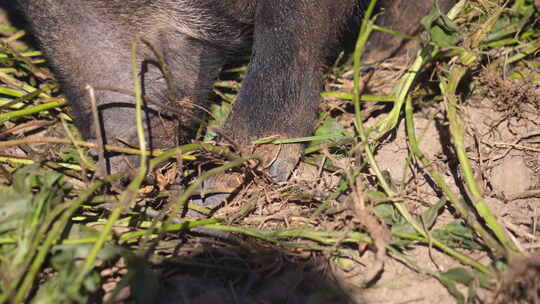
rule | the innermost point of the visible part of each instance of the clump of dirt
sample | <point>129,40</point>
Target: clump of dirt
<point>518,99</point>
<point>522,284</point>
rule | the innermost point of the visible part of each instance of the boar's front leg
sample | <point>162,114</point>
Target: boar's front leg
<point>89,43</point>
<point>280,95</point>
<point>281,92</point>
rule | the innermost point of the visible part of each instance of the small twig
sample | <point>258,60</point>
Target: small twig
<point>31,125</point>
<point>101,170</point>
<point>517,146</point>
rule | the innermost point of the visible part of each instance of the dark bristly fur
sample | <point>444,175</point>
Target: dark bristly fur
<point>88,42</point>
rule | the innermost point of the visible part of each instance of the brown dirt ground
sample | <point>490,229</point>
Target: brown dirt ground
<point>503,142</point>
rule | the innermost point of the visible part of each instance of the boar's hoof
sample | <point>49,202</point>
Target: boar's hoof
<point>279,160</point>
<point>276,161</point>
